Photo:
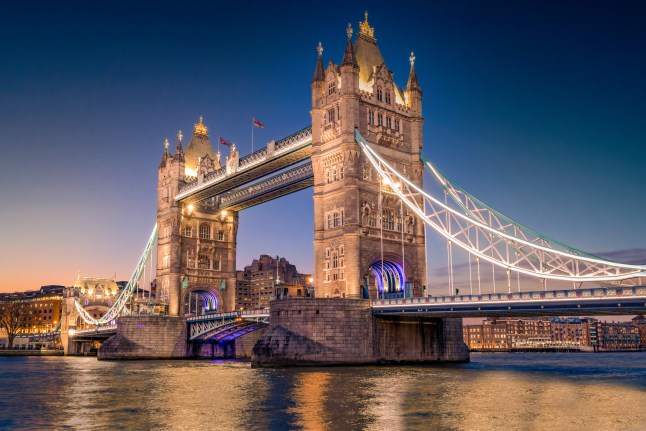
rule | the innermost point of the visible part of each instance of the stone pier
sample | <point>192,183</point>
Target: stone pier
<point>327,331</point>
<point>147,337</point>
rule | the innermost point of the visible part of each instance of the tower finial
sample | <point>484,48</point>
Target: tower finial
<point>349,31</point>
<point>166,144</point>
<point>319,48</point>
<point>200,128</point>
<point>365,29</point>
<point>179,136</point>
<point>412,59</point>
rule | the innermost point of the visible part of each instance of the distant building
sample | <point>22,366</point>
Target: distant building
<point>43,307</point>
<point>267,278</point>
<point>618,336</point>
<point>513,333</point>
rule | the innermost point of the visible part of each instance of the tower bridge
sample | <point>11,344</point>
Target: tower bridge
<point>362,157</point>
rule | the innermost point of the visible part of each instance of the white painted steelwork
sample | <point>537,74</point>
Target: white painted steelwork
<point>489,236</point>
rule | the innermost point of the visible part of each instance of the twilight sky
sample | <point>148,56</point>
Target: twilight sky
<point>537,108</point>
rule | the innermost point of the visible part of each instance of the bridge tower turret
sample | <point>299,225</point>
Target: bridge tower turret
<point>196,254</point>
<point>365,241</point>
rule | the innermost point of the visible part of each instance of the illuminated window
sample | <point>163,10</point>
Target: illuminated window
<point>205,231</point>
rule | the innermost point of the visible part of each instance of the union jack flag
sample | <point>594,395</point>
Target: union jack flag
<point>258,124</point>
<point>225,142</point>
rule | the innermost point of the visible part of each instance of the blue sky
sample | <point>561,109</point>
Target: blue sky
<point>537,108</point>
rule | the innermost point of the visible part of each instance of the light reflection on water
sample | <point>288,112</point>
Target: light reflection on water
<point>501,391</point>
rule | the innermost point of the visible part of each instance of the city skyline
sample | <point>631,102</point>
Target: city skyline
<point>88,103</point>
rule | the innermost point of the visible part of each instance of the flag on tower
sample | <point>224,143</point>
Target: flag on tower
<point>225,142</point>
<point>258,124</point>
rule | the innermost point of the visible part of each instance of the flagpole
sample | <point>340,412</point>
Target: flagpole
<point>252,126</point>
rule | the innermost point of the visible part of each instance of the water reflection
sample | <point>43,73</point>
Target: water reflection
<point>494,392</point>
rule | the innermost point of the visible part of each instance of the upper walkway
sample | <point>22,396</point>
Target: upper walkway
<point>268,160</point>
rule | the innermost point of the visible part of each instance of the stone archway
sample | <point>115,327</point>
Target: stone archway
<point>389,276</point>
<point>200,300</point>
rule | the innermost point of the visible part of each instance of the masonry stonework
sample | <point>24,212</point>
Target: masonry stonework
<point>147,337</point>
<point>330,331</point>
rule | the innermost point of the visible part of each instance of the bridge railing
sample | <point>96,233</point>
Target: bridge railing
<point>591,293</point>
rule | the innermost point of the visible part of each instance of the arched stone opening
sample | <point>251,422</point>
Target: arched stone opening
<point>200,300</point>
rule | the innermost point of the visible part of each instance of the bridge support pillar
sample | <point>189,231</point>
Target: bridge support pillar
<point>329,331</point>
<point>147,337</point>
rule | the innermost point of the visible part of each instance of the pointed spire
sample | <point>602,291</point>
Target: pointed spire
<point>348,56</point>
<point>165,156</point>
<point>413,83</point>
<point>319,72</point>
<point>200,128</point>
<point>179,152</point>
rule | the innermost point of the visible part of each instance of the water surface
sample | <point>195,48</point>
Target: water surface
<point>494,392</point>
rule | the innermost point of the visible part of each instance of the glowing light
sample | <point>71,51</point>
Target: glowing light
<point>310,280</point>
<point>223,213</point>
<point>190,208</point>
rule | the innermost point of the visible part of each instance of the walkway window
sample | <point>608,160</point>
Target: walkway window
<point>205,231</point>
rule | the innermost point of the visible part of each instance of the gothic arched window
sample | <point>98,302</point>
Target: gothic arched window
<point>205,231</point>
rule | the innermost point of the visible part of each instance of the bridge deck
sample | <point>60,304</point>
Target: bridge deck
<point>599,301</point>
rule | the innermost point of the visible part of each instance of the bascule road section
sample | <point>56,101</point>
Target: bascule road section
<point>362,158</point>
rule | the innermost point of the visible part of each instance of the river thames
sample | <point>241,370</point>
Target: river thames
<point>568,391</point>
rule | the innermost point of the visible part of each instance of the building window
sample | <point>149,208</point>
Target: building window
<point>388,97</point>
<point>327,252</point>
<point>371,117</point>
<point>342,217</point>
<point>216,264</point>
<point>389,122</point>
<point>327,176</point>
<point>341,250</point>
<point>372,219</point>
<point>188,231</point>
<point>329,221</point>
<point>336,219</point>
<point>166,259</point>
<point>331,88</point>
<point>341,172</point>
<point>380,119</point>
<point>203,262</point>
<point>388,219</point>
<point>205,231</point>
<point>190,262</point>
<point>396,125</point>
<point>335,261</point>
<point>220,235</point>
<point>330,115</point>
<point>166,231</point>
<point>379,95</point>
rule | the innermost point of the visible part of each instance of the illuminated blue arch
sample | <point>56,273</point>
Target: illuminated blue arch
<point>208,301</point>
<point>392,279</point>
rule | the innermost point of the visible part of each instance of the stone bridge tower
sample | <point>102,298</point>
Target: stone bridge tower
<point>364,240</point>
<point>196,252</point>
